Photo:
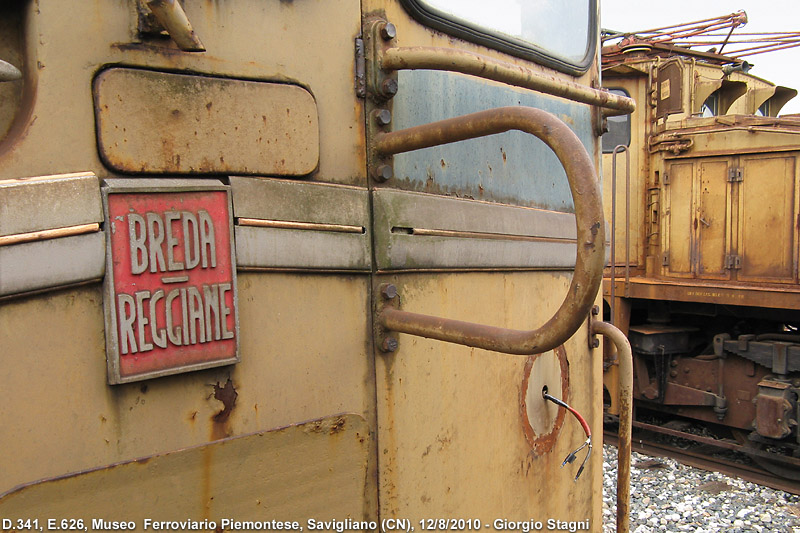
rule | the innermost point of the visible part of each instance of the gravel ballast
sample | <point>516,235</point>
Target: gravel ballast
<point>669,496</point>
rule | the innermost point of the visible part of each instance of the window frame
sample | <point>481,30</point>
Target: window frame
<point>456,27</point>
<point>628,121</point>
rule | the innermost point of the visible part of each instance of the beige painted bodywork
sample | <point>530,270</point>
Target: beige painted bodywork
<point>431,430</point>
<point>714,199</point>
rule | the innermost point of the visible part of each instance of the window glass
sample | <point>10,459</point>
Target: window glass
<point>711,106</point>
<point>619,128</point>
<point>562,30</point>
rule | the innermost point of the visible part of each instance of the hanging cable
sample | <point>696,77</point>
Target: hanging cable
<point>588,442</point>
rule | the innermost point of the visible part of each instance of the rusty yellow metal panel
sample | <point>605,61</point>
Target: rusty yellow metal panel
<point>317,470</point>
<point>247,40</point>
<point>61,416</point>
<point>452,419</point>
<point>713,215</point>
<point>680,218</point>
<point>767,207</point>
<point>155,123</point>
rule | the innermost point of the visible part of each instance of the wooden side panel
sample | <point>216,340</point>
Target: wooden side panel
<point>767,218</point>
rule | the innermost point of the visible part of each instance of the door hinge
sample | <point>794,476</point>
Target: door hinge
<point>361,69</point>
<point>735,174</point>
<point>665,258</point>
<point>733,262</point>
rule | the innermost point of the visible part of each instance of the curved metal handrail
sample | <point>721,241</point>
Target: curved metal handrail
<point>432,58</point>
<point>625,361</point>
<point>590,256</point>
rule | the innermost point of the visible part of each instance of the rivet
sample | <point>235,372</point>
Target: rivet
<point>383,117</point>
<point>389,291</point>
<point>388,31</point>
<point>383,173</point>
<point>389,87</point>
<point>389,345</point>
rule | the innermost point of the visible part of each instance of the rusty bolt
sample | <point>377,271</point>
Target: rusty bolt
<point>389,87</point>
<point>383,117</point>
<point>389,345</point>
<point>388,31</point>
<point>595,310</point>
<point>673,363</point>
<point>595,343</point>
<point>674,374</point>
<point>383,173</point>
<point>388,291</point>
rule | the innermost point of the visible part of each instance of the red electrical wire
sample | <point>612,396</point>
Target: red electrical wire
<point>577,415</point>
<point>572,455</point>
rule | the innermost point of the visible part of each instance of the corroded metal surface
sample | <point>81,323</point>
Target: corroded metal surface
<point>486,67</point>
<point>425,231</point>
<point>769,296</point>
<point>155,122</point>
<point>625,398</point>
<point>172,16</point>
<point>71,200</point>
<point>9,72</point>
<point>588,219</point>
<point>542,421</point>
<point>242,478</point>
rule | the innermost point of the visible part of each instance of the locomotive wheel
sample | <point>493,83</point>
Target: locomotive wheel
<point>775,467</point>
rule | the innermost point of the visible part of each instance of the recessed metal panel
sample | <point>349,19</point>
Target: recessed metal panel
<point>679,237</point>
<point>767,218</point>
<point>669,91</point>
<point>157,122</point>
<point>170,298</point>
<point>713,215</point>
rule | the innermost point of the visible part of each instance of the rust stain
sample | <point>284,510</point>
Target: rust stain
<point>337,426</point>
<point>541,444</point>
<point>227,395</point>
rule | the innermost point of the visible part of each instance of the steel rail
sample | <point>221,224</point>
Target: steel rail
<point>708,462</point>
<point>590,256</point>
<point>433,58</point>
<point>625,375</point>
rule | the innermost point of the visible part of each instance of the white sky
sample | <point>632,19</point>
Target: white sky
<point>781,67</point>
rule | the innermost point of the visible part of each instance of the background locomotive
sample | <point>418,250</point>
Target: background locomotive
<point>705,277</point>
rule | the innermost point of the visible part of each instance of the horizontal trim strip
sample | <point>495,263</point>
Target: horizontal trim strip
<point>43,235</point>
<point>478,235</point>
<point>311,226</point>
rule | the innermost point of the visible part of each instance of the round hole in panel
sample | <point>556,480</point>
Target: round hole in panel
<point>542,420</point>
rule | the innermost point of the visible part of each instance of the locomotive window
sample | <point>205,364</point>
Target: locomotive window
<point>711,106</point>
<point>557,33</point>
<point>619,128</point>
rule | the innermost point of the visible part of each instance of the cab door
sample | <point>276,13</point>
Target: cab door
<point>480,231</point>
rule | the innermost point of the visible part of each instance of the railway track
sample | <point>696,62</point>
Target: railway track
<point>725,456</point>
